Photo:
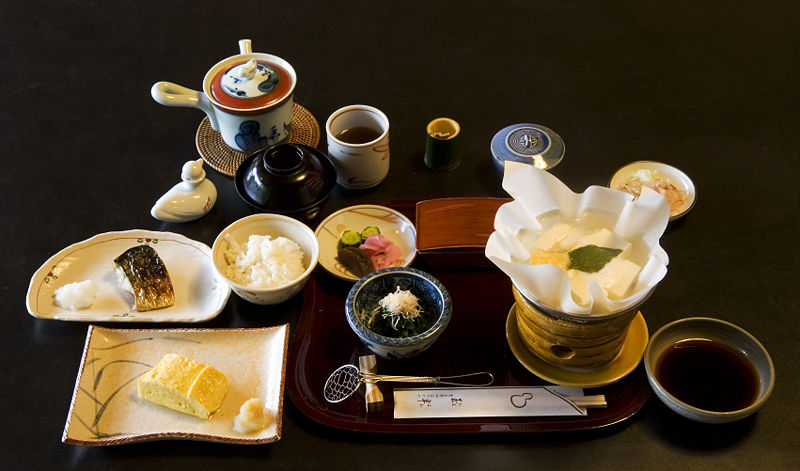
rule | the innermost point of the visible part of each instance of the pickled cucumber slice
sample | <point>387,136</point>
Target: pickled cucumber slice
<point>370,230</point>
<point>350,239</point>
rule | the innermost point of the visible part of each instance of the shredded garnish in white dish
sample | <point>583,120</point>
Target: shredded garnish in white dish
<point>676,197</point>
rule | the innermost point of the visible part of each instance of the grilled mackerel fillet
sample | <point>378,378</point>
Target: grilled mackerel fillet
<point>141,272</point>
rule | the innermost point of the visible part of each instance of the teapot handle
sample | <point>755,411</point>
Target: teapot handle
<point>170,94</point>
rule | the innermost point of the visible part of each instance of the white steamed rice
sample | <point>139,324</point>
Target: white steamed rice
<point>264,262</point>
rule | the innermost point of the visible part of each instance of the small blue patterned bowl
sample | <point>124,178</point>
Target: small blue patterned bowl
<point>367,292</point>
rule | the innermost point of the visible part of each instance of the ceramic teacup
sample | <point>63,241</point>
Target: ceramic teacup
<point>358,144</point>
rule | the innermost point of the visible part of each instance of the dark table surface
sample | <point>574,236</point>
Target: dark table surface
<point>709,87</point>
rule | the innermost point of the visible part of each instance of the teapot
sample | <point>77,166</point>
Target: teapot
<point>248,98</point>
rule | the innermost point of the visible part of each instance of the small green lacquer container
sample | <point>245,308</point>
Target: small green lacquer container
<point>442,149</point>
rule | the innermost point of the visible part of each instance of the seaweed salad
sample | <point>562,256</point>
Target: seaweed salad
<point>400,315</point>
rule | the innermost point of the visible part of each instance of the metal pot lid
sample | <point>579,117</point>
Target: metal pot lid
<point>529,144</point>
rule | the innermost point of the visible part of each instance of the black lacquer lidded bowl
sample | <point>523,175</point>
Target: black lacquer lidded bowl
<point>290,179</point>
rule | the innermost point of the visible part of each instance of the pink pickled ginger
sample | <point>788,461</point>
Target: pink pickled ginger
<point>381,250</point>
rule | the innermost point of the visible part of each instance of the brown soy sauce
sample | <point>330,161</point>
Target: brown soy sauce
<point>358,135</point>
<point>708,375</point>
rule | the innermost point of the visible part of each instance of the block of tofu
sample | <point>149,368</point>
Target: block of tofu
<point>579,283</point>
<point>618,276</point>
<point>184,385</point>
<point>551,237</point>
<point>606,238</point>
<point>571,240</point>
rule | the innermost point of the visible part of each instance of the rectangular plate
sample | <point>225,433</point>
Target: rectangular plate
<point>475,340</point>
<point>106,409</point>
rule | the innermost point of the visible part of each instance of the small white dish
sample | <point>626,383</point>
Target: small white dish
<point>662,170</point>
<point>200,294</point>
<point>392,224</point>
<point>106,409</point>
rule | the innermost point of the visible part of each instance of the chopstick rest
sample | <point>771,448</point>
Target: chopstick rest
<point>494,401</point>
<point>373,396</point>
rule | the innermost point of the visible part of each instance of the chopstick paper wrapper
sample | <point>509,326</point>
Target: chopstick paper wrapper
<point>503,401</point>
<point>540,197</point>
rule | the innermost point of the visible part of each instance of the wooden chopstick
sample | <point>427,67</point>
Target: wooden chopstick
<point>589,402</point>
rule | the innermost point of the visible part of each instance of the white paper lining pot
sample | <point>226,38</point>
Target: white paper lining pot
<point>539,197</point>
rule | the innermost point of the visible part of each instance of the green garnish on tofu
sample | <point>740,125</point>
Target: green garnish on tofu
<point>588,258</point>
<point>591,258</point>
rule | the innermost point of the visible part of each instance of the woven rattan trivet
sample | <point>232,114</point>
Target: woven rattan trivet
<point>225,160</point>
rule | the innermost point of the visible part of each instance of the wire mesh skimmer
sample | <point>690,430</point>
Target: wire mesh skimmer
<point>346,379</point>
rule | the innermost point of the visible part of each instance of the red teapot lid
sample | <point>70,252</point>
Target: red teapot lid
<point>251,84</point>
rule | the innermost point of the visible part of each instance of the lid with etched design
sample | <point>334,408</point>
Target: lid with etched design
<point>527,143</point>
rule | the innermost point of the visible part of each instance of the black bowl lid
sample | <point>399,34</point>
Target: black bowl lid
<point>285,178</point>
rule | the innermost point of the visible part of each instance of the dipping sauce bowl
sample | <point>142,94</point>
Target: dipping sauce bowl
<point>709,370</point>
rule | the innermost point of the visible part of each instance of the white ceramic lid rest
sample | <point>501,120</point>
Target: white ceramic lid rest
<point>188,200</point>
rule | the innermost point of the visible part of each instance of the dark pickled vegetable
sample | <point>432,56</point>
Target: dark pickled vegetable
<point>382,324</point>
<point>400,314</point>
<point>355,260</point>
<point>142,272</point>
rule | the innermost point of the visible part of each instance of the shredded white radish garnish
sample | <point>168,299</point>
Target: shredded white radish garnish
<point>401,302</point>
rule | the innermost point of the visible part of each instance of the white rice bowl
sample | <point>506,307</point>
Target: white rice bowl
<point>284,266</point>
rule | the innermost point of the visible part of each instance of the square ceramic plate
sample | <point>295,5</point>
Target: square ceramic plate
<point>199,294</point>
<point>106,409</point>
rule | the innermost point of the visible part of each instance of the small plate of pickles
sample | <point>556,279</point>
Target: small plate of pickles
<point>358,240</point>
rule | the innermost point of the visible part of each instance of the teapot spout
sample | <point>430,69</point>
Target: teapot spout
<point>245,46</point>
